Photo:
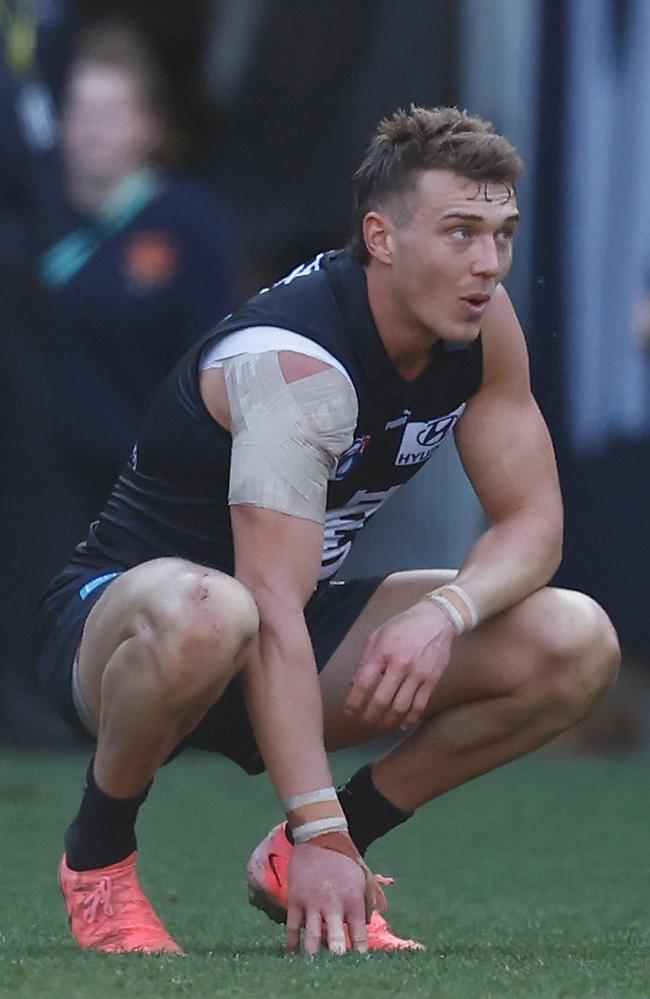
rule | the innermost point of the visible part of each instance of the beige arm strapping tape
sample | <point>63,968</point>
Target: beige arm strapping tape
<point>286,438</point>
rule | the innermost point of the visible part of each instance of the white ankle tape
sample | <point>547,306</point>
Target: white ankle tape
<point>310,830</point>
<point>309,798</point>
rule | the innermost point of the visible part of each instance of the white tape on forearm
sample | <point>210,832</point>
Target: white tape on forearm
<point>448,608</point>
<point>457,605</point>
<point>310,830</point>
<point>309,798</point>
<point>467,600</point>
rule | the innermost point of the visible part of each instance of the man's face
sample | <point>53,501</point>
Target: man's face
<point>449,244</point>
<point>108,131</point>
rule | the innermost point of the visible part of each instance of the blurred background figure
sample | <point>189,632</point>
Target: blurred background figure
<point>149,262</point>
<point>144,260</point>
<point>34,41</point>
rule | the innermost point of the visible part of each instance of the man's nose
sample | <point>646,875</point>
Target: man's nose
<point>486,260</point>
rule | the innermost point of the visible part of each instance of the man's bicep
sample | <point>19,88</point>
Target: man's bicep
<point>506,450</point>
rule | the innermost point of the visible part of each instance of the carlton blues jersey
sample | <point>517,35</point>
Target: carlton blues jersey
<point>172,497</point>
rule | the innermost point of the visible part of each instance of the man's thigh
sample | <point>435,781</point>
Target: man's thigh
<point>486,662</point>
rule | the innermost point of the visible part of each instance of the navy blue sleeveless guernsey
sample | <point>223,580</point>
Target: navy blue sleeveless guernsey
<point>172,497</point>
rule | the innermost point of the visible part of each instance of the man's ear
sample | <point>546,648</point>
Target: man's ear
<point>377,233</point>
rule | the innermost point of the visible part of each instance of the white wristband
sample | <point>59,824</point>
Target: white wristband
<point>448,608</point>
<point>309,798</point>
<point>464,615</point>
<point>302,834</point>
<point>467,600</point>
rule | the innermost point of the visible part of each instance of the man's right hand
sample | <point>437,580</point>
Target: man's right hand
<point>326,891</point>
<point>401,664</point>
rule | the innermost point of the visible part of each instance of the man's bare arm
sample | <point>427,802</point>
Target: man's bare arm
<point>277,555</point>
<point>507,453</point>
<point>278,558</point>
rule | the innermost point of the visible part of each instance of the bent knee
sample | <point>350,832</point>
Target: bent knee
<point>580,648</point>
<point>196,631</point>
<point>212,612</point>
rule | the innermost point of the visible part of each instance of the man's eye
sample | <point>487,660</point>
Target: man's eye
<point>461,234</point>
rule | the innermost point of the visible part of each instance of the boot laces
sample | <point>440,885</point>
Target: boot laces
<point>98,898</point>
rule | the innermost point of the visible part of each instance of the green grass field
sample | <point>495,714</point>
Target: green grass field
<point>530,883</point>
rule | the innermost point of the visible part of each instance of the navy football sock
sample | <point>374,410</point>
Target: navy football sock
<point>103,831</point>
<point>369,814</point>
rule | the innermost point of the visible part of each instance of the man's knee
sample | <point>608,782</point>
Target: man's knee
<point>193,636</point>
<point>579,651</point>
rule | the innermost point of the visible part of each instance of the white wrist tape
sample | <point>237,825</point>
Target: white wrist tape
<point>463,617</point>
<point>310,830</point>
<point>445,605</point>
<point>309,798</point>
<point>467,600</point>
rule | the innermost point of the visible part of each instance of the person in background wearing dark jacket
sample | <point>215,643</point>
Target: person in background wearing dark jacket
<point>34,45</point>
<point>149,263</point>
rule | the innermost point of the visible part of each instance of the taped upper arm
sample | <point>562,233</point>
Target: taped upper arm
<point>288,431</point>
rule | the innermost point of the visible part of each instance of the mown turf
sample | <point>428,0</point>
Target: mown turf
<point>529,883</point>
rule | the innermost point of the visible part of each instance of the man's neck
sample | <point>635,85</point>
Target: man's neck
<point>408,346</point>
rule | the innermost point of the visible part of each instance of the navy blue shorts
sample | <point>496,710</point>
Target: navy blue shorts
<point>225,728</point>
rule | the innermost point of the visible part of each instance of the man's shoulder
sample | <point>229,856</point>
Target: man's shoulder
<point>505,352</point>
<point>303,301</point>
<point>500,322</point>
<point>309,276</point>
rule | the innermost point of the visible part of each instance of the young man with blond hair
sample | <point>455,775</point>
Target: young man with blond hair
<point>202,609</point>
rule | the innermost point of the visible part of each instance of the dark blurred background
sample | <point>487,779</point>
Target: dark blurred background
<point>271,106</point>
